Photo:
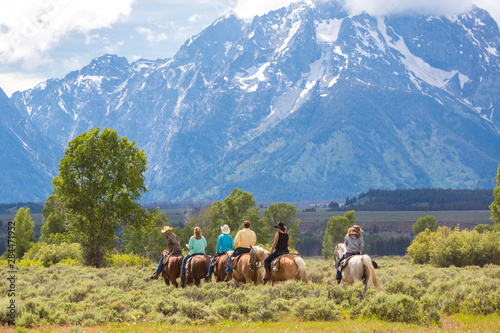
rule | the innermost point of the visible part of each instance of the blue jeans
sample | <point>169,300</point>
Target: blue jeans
<point>236,252</point>
<point>274,254</point>
<point>211,268</point>
<point>184,261</point>
<point>160,264</point>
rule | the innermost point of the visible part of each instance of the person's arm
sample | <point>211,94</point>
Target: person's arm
<point>362,246</point>
<point>276,237</point>
<point>288,243</point>
<point>237,239</point>
<point>219,244</point>
<point>191,243</point>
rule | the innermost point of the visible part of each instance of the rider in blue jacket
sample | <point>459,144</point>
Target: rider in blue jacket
<point>224,243</point>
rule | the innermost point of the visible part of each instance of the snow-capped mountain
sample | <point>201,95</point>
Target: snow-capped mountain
<point>305,102</point>
<point>28,159</point>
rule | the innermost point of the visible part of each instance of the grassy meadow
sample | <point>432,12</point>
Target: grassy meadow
<point>414,298</point>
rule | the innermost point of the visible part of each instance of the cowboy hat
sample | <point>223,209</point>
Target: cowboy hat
<point>225,229</point>
<point>280,225</point>
<point>166,228</point>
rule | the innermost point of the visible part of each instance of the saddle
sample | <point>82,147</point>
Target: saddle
<point>233,262</point>
<point>275,263</point>
<point>344,261</point>
<point>167,257</point>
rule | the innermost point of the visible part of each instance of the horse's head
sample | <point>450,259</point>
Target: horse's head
<point>340,249</point>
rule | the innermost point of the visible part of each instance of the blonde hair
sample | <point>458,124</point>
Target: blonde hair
<point>355,230</point>
<point>197,233</point>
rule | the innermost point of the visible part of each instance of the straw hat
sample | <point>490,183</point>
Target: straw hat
<point>225,229</point>
<point>166,228</point>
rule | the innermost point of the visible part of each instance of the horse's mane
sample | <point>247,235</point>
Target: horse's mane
<point>258,250</point>
<point>342,248</point>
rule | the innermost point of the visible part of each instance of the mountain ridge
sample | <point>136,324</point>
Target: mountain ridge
<point>330,106</point>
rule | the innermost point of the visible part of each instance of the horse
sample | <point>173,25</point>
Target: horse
<point>196,269</point>
<point>220,267</point>
<point>358,268</point>
<point>292,266</point>
<point>247,272</point>
<point>172,270</point>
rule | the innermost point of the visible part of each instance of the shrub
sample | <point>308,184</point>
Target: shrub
<point>399,308</point>
<point>128,260</point>
<point>49,254</point>
<point>316,309</point>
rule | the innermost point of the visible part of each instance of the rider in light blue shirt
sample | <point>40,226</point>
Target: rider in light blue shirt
<point>197,244</point>
<point>224,243</point>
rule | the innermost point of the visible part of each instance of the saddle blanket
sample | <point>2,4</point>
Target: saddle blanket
<point>275,264</point>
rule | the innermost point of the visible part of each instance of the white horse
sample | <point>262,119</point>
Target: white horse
<point>358,268</point>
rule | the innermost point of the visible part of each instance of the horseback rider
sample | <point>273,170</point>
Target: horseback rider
<point>243,241</point>
<point>224,243</point>
<point>354,245</point>
<point>173,246</point>
<point>280,246</point>
<point>197,245</point>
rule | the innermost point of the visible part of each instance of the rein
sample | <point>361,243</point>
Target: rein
<point>254,263</point>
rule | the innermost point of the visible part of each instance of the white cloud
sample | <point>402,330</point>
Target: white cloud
<point>247,9</point>
<point>38,26</point>
<point>152,36</point>
<point>194,18</point>
<point>407,7</point>
<point>18,81</point>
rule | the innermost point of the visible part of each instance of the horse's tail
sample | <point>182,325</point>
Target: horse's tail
<point>367,262</point>
<point>301,271</point>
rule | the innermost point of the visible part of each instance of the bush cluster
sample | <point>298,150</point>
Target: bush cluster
<point>77,295</point>
<point>446,247</point>
<point>49,254</point>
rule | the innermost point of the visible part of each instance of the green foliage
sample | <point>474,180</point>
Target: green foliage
<point>24,232</point>
<point>128,260</point>
<point>233,210</point>
<point>50,254</point>
<point>317,309</point>
<point>100,178</point>
<point>280,212</point>
<point>425,222</point>
<point>147,241</point>
<point>447,247</point>
<point>54,220</point>
<point>495,205</point>
<point>335,232</point>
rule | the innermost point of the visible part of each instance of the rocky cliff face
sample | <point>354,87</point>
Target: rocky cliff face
<point>303,103</point>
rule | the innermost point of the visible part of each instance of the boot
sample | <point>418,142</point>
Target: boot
<point>229,276</point>
<point>208,278</point>
<point>339,281</point>
<point>154,276</point>
<point>268,275</point>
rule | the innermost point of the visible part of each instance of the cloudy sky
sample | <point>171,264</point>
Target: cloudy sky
<point>42,39</point>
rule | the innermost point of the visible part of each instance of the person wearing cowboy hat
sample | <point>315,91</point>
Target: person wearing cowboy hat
<point>224,243</point>
<point>354,244</point>
<point>173,246</point>
<point>280,246</point>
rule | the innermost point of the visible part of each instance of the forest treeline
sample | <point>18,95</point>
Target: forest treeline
<point>418,199</point>
<point>35,207</point>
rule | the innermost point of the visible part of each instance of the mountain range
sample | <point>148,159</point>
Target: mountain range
<point>306,102</point>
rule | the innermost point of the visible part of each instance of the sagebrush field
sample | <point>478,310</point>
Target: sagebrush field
<point>413,298</point>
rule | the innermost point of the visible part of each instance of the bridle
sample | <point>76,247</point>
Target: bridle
<point>254,262</point>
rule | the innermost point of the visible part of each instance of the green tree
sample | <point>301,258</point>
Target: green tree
<point>101,176</point>
<point>54,221</point>
<point>425,222</point>
<point>335,232</point>
<point>148,241</point>
<point>280,212</point>
<point>495,205</point>
<point>24,233</point>
<point>237,207</point>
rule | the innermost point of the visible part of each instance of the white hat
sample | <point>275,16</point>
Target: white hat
<point>225,229</point>
<point>166,228</point>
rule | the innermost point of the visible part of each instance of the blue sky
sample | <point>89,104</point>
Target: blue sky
<point>42,39</point>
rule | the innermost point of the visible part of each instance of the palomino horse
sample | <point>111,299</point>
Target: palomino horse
<point>172,270</point>
<point>246,272</point>
<point>220,267</point>
<point>358,268</point>
<point>196,269</point>
<point>292,266</point>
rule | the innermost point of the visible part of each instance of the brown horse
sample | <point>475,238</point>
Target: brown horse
<point>220,267</point>
<point>172,270</point>
<point>292,266</point>
<point>196,269</point>
<point>247,272</point>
